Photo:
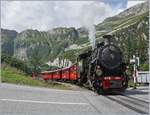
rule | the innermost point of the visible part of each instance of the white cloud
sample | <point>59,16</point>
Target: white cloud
<point>44,15</point>
<point>94,13</point>
<point>132,3</point>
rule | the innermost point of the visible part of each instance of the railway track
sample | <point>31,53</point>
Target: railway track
<point>134,98</point>
<point>135,104</point>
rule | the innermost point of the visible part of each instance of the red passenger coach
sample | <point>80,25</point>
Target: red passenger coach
<point>73,72</point>
<point>68,73</point>
<point>46,75</point>
<point>65,74</point>
<point>56,74</point>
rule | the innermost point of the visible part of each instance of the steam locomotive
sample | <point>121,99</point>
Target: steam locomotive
<point>103,69</point>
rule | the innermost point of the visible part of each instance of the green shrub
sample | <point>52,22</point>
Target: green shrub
<point>144,67</point>
<point>13,62</point>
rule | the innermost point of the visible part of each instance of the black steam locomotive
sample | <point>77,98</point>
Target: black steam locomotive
<point>103,69</point>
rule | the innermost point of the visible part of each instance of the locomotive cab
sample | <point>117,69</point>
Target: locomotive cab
<point>83,60</point>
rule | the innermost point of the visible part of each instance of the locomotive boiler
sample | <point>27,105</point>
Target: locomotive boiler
<point>103,69</point>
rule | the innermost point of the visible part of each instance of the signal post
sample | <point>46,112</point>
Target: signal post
<point>135,62</point>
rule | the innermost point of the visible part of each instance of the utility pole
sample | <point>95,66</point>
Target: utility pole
<point>134,72</point>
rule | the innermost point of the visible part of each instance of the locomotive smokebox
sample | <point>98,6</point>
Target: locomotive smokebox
<point>110,56</point>
<point>108,36</point>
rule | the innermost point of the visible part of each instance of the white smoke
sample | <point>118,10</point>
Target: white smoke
<point>91,13</point>
<point>92,35</point>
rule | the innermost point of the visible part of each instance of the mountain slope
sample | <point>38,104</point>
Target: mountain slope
<point>133,38</point>
<point>48,44</point>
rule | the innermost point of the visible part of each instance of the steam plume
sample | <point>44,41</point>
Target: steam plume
<point>91,13</point>
<point>91,35</point>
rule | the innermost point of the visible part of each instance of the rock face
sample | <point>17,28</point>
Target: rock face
<point>130,28</point>
<point>29,43</point>
<point>7,41</point>
<point>48,45</point>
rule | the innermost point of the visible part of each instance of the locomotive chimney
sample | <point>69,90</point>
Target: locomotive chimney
<point>108,39</point>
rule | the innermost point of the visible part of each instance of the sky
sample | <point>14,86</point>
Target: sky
<point>45,15</point>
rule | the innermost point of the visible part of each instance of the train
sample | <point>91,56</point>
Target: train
<point>102,69</point>
<point>64,74</point>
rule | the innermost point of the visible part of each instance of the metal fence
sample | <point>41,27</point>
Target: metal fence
<point>143,77</point>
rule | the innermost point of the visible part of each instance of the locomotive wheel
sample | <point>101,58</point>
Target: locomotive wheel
<point>125,86</point>
<point>79,82</point>
<point>123,89</point>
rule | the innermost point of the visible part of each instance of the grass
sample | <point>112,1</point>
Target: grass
<point>12,75</point>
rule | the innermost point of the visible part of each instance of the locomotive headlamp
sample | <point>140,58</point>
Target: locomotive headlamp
<point>98,67</point>
<point>98,71</point>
